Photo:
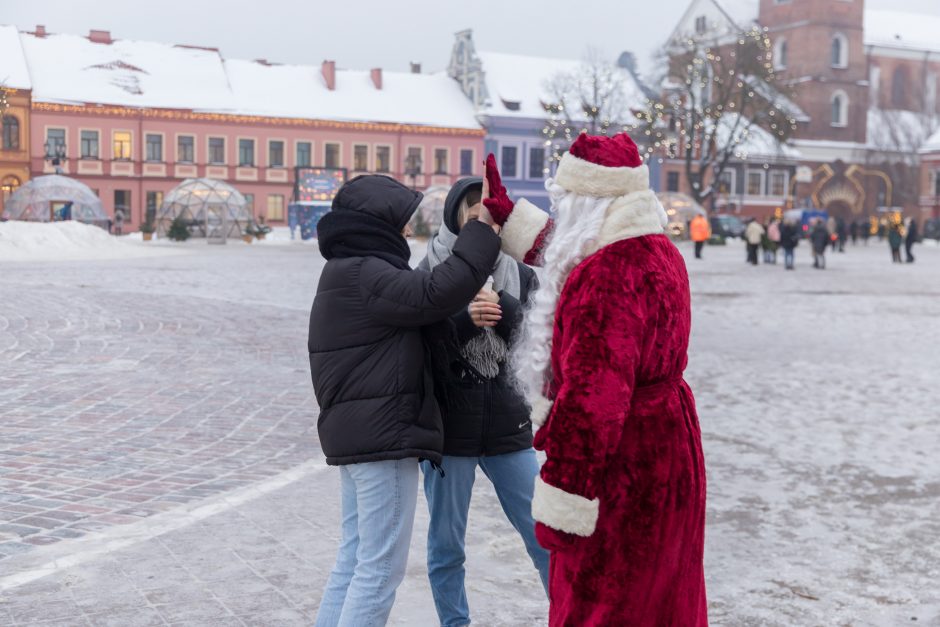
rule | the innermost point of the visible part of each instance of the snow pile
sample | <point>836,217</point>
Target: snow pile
<point>69,241</point>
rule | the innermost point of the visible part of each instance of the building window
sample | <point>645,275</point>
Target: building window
<point>778,183</point>
<point>246,153</point>
<point>414,163</point>
<point>186,149</point>
<point>89,144</point>
<point>840,109</point>
<point>331,155</point>
<point>304,151</point>
<point>726,182</point>
<point>755,183</point>
<point>936,183</point>
<point>55,137</point>
<point>780,54</point>
<point>122,203</point>
<point>361,158</point>
<point>510,156</point>
<point>11,132</point>
<point>672,181</point>
<point>275,207</point>
<point>122,145</point>
<point>154,200</point>
<point>275,153</point>
<point>839,51</point>
<point>701,25</point>
<point>250,203</point>
<point>899,87</point>
<point>216,150</point>
<point>466,162</point>
<point>383,158</point>
<point>154,147</point>
<point>536,163</point>
<point>440,161</point>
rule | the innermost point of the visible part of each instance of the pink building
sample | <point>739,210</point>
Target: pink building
<point>136,118</point>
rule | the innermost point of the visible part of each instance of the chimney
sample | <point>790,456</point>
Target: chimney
<point>40,30</point>
<point>329,74</point>
<point>100,36</point>
<point>377,77</point>
<point>415,68</point>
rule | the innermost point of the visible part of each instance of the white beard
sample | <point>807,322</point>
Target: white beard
<point>578,222</point>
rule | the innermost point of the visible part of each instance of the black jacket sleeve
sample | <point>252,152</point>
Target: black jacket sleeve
<point>466,330</point>
<point>405,298</point>
<point>513,308</point>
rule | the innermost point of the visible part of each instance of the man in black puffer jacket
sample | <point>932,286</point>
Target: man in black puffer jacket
<point>375,328</point>
<point>486,420</point>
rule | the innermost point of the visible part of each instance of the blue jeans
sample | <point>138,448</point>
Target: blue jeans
<point>513,476</point>
<point>379,501</point>
<point>788,257</point>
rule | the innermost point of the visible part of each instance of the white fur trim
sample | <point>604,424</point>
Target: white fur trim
<point>522,228</point>
<point>633,215</point>
<point>541,407</point>
<point>589,179</point>
<point>564,511</point>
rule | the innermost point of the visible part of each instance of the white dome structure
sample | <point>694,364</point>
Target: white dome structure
<point>210,208</point>
<point>44,198</point>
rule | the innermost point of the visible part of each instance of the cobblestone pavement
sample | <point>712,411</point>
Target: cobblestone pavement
<point>159,462</point>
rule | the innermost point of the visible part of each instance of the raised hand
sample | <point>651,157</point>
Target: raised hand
<point>495,198</point>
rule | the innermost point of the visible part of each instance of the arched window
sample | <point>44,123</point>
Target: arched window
<point>11,133</point>
<point>839,55</point>
<point>840,109</point>
<point>899,87</point>
<point>780,54</point>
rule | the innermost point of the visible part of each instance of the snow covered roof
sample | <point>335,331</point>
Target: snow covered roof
<point>742,12</point>
<point>73,69</point>
<point>895,130</point>
<point>14,73</point>
<point>518,84</point>
<point>932,144</point>
<point>754,142</point>
<point>300,91</point>
<point>916,31</point>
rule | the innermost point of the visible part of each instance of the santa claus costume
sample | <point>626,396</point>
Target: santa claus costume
<point>620,501</point>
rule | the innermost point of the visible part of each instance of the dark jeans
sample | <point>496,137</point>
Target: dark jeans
<point>752,253</point>
<point>896,255</point>
<point>819,260</point>
<point>907,249</point>
<point>788,258</point>
<point>698,249</point>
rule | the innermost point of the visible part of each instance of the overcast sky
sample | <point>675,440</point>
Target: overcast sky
<point>362,34</point>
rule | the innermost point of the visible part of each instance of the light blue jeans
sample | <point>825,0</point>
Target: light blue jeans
<point>513,476</point>
<point>379,501</point>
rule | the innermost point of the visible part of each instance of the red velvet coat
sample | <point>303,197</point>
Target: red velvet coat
<point>621,497</point>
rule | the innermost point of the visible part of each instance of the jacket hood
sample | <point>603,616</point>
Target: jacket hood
<point>452,202</point>
<point>380,197</point>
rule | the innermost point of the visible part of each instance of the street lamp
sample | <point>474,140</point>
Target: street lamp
<point>55,154</point>
<point>413,167</point>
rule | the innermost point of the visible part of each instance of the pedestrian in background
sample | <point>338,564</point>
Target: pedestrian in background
<point>820,240</point>
<point>865,231</point>
<point>119,222</point>
<point>910,239</point>
<point>700,231</point>
<point>853,232</point>
<point>753,235</point>
<point>378,333</point>
<point>842,233</point>
<point>486,420</point>
<point>773,241</point>
<point>789,240</point>
<point>895,238</point>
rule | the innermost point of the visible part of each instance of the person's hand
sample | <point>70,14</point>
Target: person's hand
<point>495,198</point>
<point>485,314</point>
<point>487,295</point>
<point>552,539</point>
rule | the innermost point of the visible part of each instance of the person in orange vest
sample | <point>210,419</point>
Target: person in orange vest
<point>700,231</point>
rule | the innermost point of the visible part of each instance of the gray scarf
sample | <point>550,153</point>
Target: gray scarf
<point>486,351</point>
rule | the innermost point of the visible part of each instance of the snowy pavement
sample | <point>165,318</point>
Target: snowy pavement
<point>159,461</point>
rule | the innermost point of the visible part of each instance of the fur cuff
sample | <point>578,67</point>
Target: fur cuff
<point>522,229</point>
<point>541,408</point>
<point>564,511</point>
<point>589,179</point>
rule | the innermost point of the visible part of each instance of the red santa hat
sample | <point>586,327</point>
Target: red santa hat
<point>604,167</point>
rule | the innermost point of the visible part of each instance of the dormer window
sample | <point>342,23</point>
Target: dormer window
<point>512,105</point>
<point>701,25</point>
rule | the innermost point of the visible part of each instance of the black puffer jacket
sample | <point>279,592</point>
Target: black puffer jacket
<point>368,360</point>
<point>484,416</point>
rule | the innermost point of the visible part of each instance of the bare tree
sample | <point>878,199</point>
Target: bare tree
<point>596,98</point>
<point>894,138</point>
<point>717,97</point>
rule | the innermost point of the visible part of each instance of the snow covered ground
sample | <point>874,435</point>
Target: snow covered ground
<point>818,394</point>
